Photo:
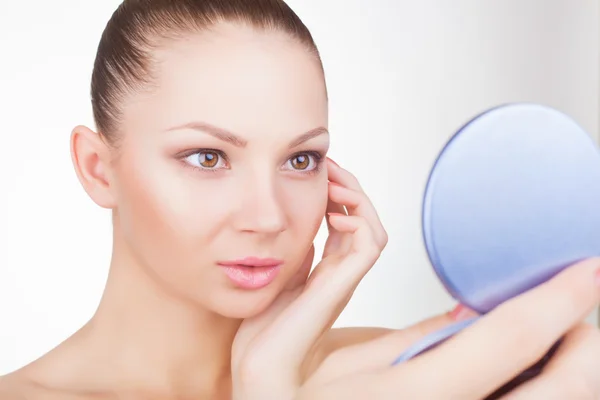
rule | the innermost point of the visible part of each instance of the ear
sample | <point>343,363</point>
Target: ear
<point>91,159</point>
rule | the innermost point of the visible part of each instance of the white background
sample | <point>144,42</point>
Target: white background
<point>402,76</point>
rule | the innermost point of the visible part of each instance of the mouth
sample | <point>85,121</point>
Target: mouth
<point>251,272</point>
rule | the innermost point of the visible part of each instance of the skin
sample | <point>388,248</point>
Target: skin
<point>170,323</point>
<point>168,314</point>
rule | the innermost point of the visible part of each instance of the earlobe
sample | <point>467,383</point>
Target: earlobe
<point>91,158</point>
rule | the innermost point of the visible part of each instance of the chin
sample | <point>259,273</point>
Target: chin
<point>242,304</point>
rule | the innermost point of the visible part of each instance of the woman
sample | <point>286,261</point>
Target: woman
<point>210,150</point>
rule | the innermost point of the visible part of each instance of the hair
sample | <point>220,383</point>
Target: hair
<point>123,63</point>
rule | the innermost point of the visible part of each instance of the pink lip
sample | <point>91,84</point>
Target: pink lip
<point>251,272</point>
<point>253,262</point>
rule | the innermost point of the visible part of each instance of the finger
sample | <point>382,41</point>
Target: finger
<point>381,351</point>
<point>337,174</point>
<point>333,208</point>
<point>357,203</point>
<point>336,241</point>
<point>336,208</point>
<point>354,198</point>
<point>515,336</point>
<point>363,244</point>
<point>572,373</point>
<point>299,326</point>
<point>360,243</point>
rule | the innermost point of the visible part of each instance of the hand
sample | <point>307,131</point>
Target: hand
<point>573,372</point>
<point>269,350</point>
<point>482,358</point>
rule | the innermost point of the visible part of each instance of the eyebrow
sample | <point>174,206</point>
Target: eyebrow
<point>235,140</point>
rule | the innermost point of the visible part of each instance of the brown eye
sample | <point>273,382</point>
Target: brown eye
<point>208,159</point>
<point>301,161</point>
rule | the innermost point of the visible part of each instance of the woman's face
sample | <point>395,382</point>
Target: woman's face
<point>225,162</point>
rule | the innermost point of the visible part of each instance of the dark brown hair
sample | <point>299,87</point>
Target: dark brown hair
<point>124,58</point>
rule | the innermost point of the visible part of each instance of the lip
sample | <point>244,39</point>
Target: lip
<point>251,272</point>
<point>252,262</point>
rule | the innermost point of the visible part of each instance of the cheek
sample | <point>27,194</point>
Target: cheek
<point>150,212</point>
<point>168,214</point>
<point>306,203</point>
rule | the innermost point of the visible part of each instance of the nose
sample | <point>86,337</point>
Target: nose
<point>262,209</point>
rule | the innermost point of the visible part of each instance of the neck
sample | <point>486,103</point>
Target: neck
<point>144,339</point>
<point>158,335</point>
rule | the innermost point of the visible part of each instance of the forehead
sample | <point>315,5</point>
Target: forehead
<point>248,81</point>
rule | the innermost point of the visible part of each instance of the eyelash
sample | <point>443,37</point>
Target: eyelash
<point>315,155</point>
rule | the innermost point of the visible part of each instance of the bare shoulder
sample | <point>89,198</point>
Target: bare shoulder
<point>12,387</point>
<point>338,338</point>
<point>17,386</point>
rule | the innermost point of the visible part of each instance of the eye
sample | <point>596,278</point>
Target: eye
<point>304,162</point>
<point>206,159</point>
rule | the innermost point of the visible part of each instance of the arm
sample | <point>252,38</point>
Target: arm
<point>340,338</point>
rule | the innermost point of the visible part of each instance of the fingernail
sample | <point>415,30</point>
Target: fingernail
<point>461,313</point>
<point>334,183</point>
<point>334,214</point>
<point>597,277</point>
<point>334,163</point>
